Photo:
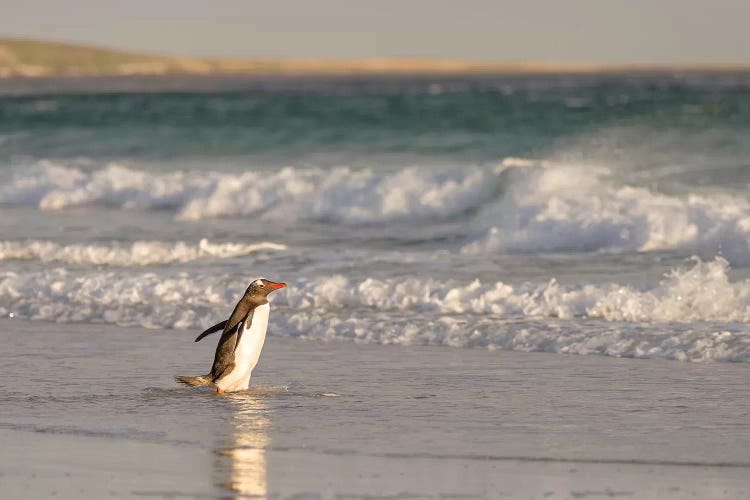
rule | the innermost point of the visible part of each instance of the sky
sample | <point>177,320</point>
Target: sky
<point>597,31</point>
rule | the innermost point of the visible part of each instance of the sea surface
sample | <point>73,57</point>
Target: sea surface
<point>99,416</point>
<point>473,263</point>
<point>592,215</point>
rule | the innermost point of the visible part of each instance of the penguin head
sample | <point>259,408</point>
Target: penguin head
<point>262,287</point>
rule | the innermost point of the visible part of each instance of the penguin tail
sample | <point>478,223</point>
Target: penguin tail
<point>195,381</point>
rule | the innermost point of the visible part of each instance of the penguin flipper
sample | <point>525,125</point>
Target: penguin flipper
<point>215,328</point>
<point>230,339</point>
<point>224,357</point>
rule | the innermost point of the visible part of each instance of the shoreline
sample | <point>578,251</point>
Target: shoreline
<point>238,82</point>
<point>28,58</point>
<point>102,468</point>
<point>395,68</point>
<point>102,416</point>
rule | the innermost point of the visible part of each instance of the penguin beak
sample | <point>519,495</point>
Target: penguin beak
<point>276,286</point>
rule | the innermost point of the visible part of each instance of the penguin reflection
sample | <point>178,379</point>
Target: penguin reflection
<point>245,474</point>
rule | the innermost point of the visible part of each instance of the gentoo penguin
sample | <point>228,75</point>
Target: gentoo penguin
<point>241,340</point>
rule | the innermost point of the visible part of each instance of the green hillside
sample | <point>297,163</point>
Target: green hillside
<point>19,57</point>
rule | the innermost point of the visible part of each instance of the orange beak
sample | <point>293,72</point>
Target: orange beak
<point>276,286</point>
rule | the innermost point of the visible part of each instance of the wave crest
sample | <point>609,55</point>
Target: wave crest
<point>520,206</point>
<point>139,253</point>
<point>708,313</point>
<point>339,194</point>
<point>580,208</point>
<point>702,292</point>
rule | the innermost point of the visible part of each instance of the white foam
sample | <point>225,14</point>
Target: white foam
<point>701,292</point>
<point>139,253</point>
<point>683,344</point>
<point>54,187</point>
<point>580,208</point>
<point>341,194</point>
<point>522,206</point>
<point>695,313</point>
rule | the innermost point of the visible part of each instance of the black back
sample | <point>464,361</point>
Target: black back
<point>230,337</point>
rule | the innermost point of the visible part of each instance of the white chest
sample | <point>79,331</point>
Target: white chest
<point>247,353</point>
<point>251,339</point>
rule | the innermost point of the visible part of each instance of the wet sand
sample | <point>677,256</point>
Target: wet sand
<point>92,411</point>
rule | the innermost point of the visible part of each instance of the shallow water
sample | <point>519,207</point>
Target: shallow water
<point>332,419</point>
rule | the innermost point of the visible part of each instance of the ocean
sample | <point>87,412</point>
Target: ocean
<point>462,252</point>
<point>579,215</point>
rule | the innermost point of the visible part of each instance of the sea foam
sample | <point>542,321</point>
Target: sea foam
<point>700,292</point>
<point>553,207</point>
<point>339,194</point>
<point>708,314</point>
<point>521,205</point>
<point>139,253</point>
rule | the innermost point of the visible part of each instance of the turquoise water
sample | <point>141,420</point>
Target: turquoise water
<point>478,119</point>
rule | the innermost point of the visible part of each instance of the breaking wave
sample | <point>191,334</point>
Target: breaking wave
<point>579,208</point>
<point>339,194</point>
<point>139,253</point>
<point>519,206</point>
<point>702,292</point>
<point>708,314</point>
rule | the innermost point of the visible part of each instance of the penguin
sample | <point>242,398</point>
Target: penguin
<point>241,342</point>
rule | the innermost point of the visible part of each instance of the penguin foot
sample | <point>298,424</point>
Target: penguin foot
<point>219,390</point>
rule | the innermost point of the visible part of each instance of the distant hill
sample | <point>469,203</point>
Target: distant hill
<point>32,58</point>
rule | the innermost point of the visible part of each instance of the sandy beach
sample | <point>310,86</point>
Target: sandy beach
<point>96,414</point>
